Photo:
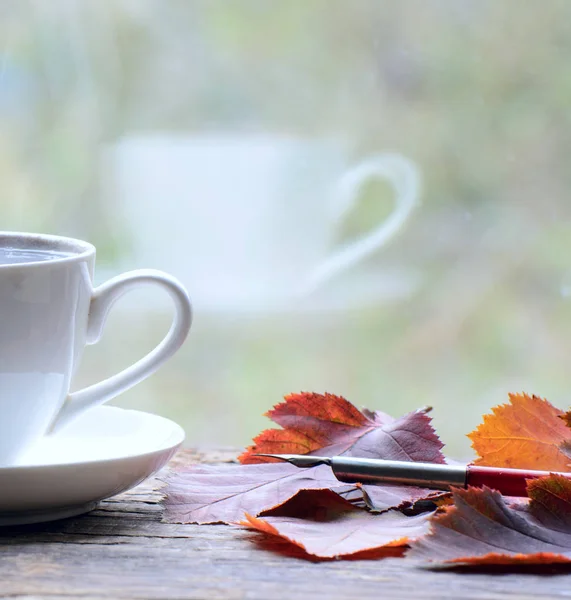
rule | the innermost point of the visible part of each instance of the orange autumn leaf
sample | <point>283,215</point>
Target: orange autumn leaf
<point>526,434</point>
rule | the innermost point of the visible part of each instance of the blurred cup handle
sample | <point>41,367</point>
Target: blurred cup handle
<point>405,179</point>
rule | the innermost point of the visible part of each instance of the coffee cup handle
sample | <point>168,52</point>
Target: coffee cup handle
<point>405,179</point>
<point>102,300</point>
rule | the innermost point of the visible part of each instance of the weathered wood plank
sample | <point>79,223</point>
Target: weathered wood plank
<point>122,550</point>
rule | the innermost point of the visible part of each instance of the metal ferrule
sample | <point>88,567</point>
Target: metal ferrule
<point>430,475</point>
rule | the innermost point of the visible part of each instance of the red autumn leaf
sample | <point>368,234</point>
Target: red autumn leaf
<point>482,529</point>
<point>330,425</point>
<point>326,526</point>
<point>528,433</point>
<point>224,493</point>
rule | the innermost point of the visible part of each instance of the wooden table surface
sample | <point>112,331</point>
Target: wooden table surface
<point>123,550</point>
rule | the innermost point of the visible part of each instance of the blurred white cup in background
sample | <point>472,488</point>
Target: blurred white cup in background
<point>248,222</point>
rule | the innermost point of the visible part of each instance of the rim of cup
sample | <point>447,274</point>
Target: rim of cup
<point>72,249</point>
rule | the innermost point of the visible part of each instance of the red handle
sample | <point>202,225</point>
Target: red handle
<point>510,482</point>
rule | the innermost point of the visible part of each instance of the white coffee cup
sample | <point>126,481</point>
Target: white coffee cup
<point>249,220</point>
<point>49,311</point>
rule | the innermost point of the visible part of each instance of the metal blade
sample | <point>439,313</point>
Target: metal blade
<point>300,460</point>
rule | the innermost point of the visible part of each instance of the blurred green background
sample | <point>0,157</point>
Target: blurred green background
<point>476,92</point>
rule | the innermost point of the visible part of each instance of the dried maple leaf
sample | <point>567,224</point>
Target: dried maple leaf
<point>528,433</point>
<point>224,493</point>
<point>481,529</point>
<point>331,425</point>
<point>326,526</point>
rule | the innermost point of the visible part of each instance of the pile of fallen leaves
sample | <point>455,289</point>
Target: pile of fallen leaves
<point>325,518</point>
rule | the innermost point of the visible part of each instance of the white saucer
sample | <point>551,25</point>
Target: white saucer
<point>102,453</point>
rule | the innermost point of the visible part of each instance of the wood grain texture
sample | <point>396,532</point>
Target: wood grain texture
<point>123,550</point>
